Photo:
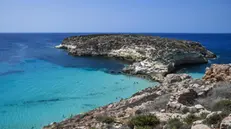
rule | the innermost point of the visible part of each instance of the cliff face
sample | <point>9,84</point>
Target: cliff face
<point>151,56</point>
<point>178,96</point>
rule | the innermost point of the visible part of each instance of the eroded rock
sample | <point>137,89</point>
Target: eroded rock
<point>151,56</point>
<point>218,73</point>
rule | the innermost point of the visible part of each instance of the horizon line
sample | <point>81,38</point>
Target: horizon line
<point>116,32</point>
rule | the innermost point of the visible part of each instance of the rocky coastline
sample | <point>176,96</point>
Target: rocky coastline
<point>191,103</point>
<point>178,102</point>
<point>149,56</point>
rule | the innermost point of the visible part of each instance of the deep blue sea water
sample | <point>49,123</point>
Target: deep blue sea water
<point>40,84</point>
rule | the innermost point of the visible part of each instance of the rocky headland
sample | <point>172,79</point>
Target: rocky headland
<point>150,56</point>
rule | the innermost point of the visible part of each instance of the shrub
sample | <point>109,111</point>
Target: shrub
<point>220,92</point>
<point>174,124</point>
<point>105,119</point>
<point>143,127</point>
<point>191,118</point>
<point>160,102</point>
<point>215,119</point>
<point>144,121</point>
<point>223,105</point>
<point>204,115</point>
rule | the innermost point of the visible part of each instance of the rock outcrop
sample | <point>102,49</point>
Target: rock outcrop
<point>218,73</point>
<point>178,96</point>
<point>151,56</point>
<point>226,123</point>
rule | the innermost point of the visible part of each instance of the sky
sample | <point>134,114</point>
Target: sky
<point>160,16</point>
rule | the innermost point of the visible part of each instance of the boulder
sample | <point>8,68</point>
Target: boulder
<point>200,126</point>
<point>218,73</point>
<point>199,107</point>
<point>172,78</point>
<point>187,96</point>
<point>226,123</point>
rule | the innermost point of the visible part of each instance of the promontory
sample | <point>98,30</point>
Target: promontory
<point>150,56</point>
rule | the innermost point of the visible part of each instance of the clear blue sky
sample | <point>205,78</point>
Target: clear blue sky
<point>177,16</point>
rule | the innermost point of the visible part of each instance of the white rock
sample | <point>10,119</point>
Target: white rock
<point>159,92</point>
<point>59,46</point>
<point>200,126</point>
<point>197,122</point>
<point>196,85</point>
<point>199,107</point>
<point>226,123</point>
<point>162,110</point>
<point>192,109</point>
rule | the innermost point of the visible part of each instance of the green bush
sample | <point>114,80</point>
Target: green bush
<point>191,118</point>
<point>144,121</point>
<point>105,119</point>
<point>219,92</point>
<point>203,115</point>
<point>215,119</point>
<point>174,124</point>
<point>144,127</point>
<point>223,105</point>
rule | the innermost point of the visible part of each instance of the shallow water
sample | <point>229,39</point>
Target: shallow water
<point>46,92</point>
<point>40,84</point>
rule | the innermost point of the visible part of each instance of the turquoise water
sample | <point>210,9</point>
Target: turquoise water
<point>46,92</point>
<point>40,84</point>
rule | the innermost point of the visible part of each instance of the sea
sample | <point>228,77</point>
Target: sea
<point>40,84</point>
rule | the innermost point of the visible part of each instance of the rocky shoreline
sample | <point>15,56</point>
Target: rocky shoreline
<point>150,56</point>
<point>179,97</point>
<point>178,102</point>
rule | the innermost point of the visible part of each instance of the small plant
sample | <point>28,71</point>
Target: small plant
<point>204,115</point>
<point>105,119</point>
<point>143,127</point>
<point>191,118</point>
<point>174,124</point>
<point>215,119</point>
<point>220,92</point>
<point>223,105</point>
<point>185,110</point>
<point>144,121</point>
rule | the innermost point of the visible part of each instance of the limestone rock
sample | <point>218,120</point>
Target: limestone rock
<point>200,126</point>
<point>199,107</point>
<point>171,78</point>
<point>218,73</point>
<point>187,96</point>
<point>151,56</point>
<point>226,123</point>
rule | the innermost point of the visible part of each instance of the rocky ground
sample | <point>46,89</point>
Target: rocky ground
<point>151,57</point>
<point>179,102</point>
